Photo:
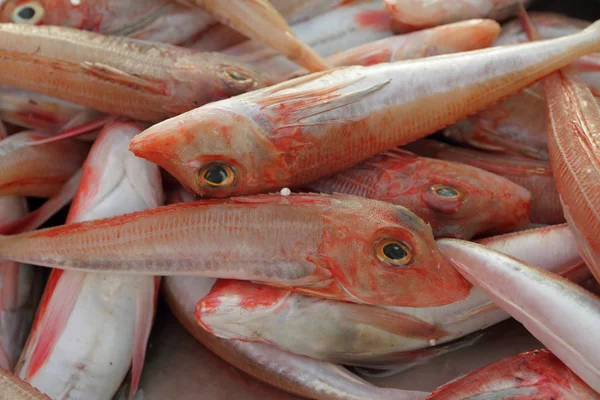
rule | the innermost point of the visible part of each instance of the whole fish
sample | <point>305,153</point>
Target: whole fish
<point>258,19</point>
<point>20,286</point>
<point>557,312</point>
<point>342,28</point>
<point>358,334</point>
<point>574,144</point>
<point>142,80</point>
<point>107,316</point>
<point>37,171</point>
<point>298,131</point>
<point>419,14</point>
<point>551,25</point>
<point>534,175</point>
<point>299,375</point>
<point>13,388</point>
<point>340,247</point>
<point>534,375</point>
<point>155,20</point>
<point>457,200</point>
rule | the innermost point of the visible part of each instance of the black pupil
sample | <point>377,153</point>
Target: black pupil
<point>216,175</point>
<point>394,251</point>
<point>26,13</point>
<point>446,191</point>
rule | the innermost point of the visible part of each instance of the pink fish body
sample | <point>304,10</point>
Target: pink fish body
<point>107,316</point>
<point>535,375</point>
<point>290,134</point>
<point>37,171</point>
<point>456,200</point>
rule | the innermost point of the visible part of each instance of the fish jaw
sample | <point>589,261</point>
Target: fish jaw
<point>532,375</point>
<point>222,137</point>
<point>535,297</point>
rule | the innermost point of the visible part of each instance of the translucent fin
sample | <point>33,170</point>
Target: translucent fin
<point>78,130</point>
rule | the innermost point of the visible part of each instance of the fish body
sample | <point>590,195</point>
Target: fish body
<point>298,131</point>
<point>455,199</point>
<point>534,175</point>
<point>368,335</point>
<point>154,20</point>
<point>37,171</point>
<point>107,316</point>
<point>534,375</point>
<point>142,80</point>
<point>302,376</point>
<point>559,313</point>
<point>419,14</point>
<point>338,246</point>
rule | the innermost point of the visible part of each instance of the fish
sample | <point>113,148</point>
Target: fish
<point>342,28</point>
<point>573,128</point>
<point>290,134</point>
<point>552,25</point>
<point>341,247</point>
<point>13,388</point>
<point>258,19</point>
<point>141,80</point>
<point>534,175</point>
<point>559,313</point>
<point>108,316</point>
<point>37,171</point>
<point>457,200</point>
<point>153,20</point>
<point>418,14</point>
<point>299,375</point>
<point>537,374</point>
<point>370,335</point>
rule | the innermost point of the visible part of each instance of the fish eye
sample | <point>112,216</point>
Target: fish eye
<point>28,13</point>
<point>445,191</point>
<point>393,252</point>
<point>236,76</point>
<point>216,175</point>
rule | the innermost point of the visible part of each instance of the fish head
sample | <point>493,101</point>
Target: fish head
<point>43,12</point>
<point>461,201</point>
<point>383,254</point>
<point>213,152</point>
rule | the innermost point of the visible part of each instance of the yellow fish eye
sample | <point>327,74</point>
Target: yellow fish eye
<point>28,13</point>
<point>216,174</point>
<point>236,76</point>
<point>393,252</point>
<point>445,191</point>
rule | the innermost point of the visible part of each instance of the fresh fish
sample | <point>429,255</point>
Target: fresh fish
<point>108,317</point>
<point>418,14</point>
<point>301,376</point>
<point>457,200</point>
<point>534,375</point>
<point>38,171</point>
<point>155,20</point>
<point>20,286</point>
<point>13,388</point>
<point>142,80</point>
<point>342,28</point>
<point>557,312</point>
<point>534,175</point>
<point>574,144</point>
<point>340,247</point>
<point>358,334</point>
<point>551,26</point>
<point>298,131</point>
<point>258,19</point>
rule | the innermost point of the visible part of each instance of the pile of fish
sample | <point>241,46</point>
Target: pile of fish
<point>324,192</point>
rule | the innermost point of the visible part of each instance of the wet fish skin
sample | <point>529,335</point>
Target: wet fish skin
<point>534,175</point>
<point>472,202</point>
<point>534,375</point>
<point>298,131</point>
<point>145,81</point>
<point>328,246</point>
